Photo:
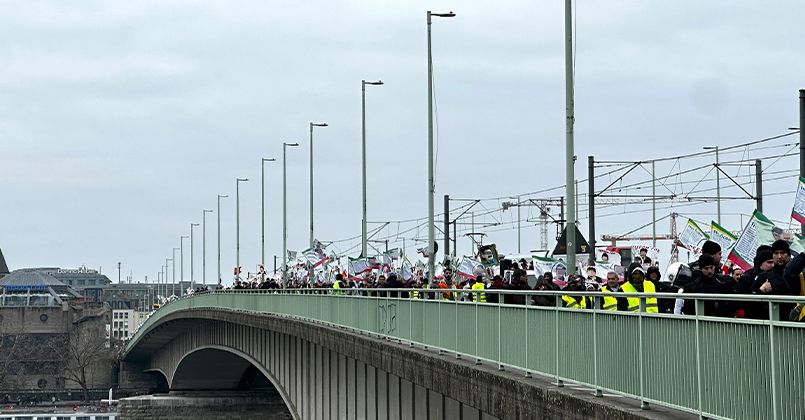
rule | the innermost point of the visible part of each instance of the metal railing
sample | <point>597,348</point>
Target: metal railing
<point>712,366</point>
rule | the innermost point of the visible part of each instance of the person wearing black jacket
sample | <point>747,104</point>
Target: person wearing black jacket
<point>709,282</point>
<point>393,283</point>
<point>753,310</point>
<point>775,281</point>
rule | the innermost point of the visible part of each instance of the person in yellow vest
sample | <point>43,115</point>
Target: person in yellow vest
<point>478,286</point>
<point>639,284</point>
<point>610,302</point>
<point>338,284</point>
<point>576,284</point>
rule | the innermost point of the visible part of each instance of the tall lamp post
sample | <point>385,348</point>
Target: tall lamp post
<point>263,209</point>
<point>718,184</point>
<point>431,182</point>
<point>312,124</point>
<point>165,277</point>
<point>204,245</point>
<point>363,159</point>
<point>192,278</point>
<point>285,213</point>
<point>173,281</point>
<point>181,261</point>
<point>219,236</point>
<point>237,226</point>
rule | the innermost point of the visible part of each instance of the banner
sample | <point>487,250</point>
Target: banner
<point>758,231</point>
<point>692,237</point>
<point>395,253</point>
<point>469,268</point>
<point>544,265</point>
<point>385,261</point>
<point>724,238</point>
<point>799,203</point>
<point>602,268</point>
<point>488,254</point>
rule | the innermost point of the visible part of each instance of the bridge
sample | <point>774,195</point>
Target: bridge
<point>384,355</point>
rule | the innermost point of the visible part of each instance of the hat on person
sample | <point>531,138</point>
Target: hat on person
<point>763,256</point>
<point>710,248</point>
<point>636,267</point>
<point>781,245</point>
<point>706,260</point>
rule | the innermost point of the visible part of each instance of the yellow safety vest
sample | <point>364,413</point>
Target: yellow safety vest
<point>479,286</point>
<point>610,302</point>
<point>634,302</point>
<point>572,303</point>
<point>415,294</point>
<point>336,286</point>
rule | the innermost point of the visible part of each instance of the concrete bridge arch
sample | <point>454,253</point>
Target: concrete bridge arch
<point>325,372</point>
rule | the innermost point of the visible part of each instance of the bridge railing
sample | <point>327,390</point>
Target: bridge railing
<point>717,367</point>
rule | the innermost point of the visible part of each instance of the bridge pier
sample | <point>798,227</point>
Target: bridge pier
<point>194,405</point>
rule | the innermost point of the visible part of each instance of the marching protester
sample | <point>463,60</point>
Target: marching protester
<point>637,283</point>
<point>613,302</point>
<point>709,282</point>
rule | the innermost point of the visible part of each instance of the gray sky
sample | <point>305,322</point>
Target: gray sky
<point>121,121</point>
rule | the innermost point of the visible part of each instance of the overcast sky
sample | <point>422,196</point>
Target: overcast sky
<point>121,121</point>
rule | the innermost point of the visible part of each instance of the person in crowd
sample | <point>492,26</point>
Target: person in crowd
<point>338,284</point>
<point>774,281</point>
<point>520,283</point>
<point>638,283</point>
<point>743,285</point>
<point>446,283</point>
<point>497,284</point>
<point>478,295</point>
<point>613,287</point>
<point>605,257</point>
<point>709,282</point>
<point>394,283</point>
<point>575,284</point>
<point>795,278</point>
<point>545,283</point>
<point>653,275</point>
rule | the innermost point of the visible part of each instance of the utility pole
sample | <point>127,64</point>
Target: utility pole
<point>759,185</point>
<point>654,206</point>
<point>802,141</point>
<point>591,204</point>
<point>446,230</point>
<point>570,156</point>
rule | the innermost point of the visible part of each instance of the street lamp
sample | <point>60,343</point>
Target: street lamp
<point>363,159</point>
<point>173,282</point>
<point>431,183</point>
<point>312,124</point>
<point>204,245</point>
<point>165,277</point>
<point>237,226</point>
<point>718,183</point>
<point>181,261</point>
<point>192,278</point>
<point>285,213</point>
<point>263,209</point>
<point>219,236</point>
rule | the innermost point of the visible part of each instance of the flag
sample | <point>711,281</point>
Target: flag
<point>758,231</point>
<point>602,268</point>
<point>291,256</point>
<point>358,266</point>
<point>722,237</point>
<point>469,268</point>
<point>394,253</point>
<point>385,261</point>
<point>406,270</point>
<point>798,213</point>
<point>424,251</point>
<point>315,258</point>
<point>544,265</point>
<point>692,237</point>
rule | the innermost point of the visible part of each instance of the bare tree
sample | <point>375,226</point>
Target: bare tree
<point>83,351</point>
<point>14,344</point>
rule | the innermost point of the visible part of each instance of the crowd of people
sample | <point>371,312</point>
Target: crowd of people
<point>775,272</point>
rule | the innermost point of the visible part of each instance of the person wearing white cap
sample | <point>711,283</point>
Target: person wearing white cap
<point>638,284</point>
